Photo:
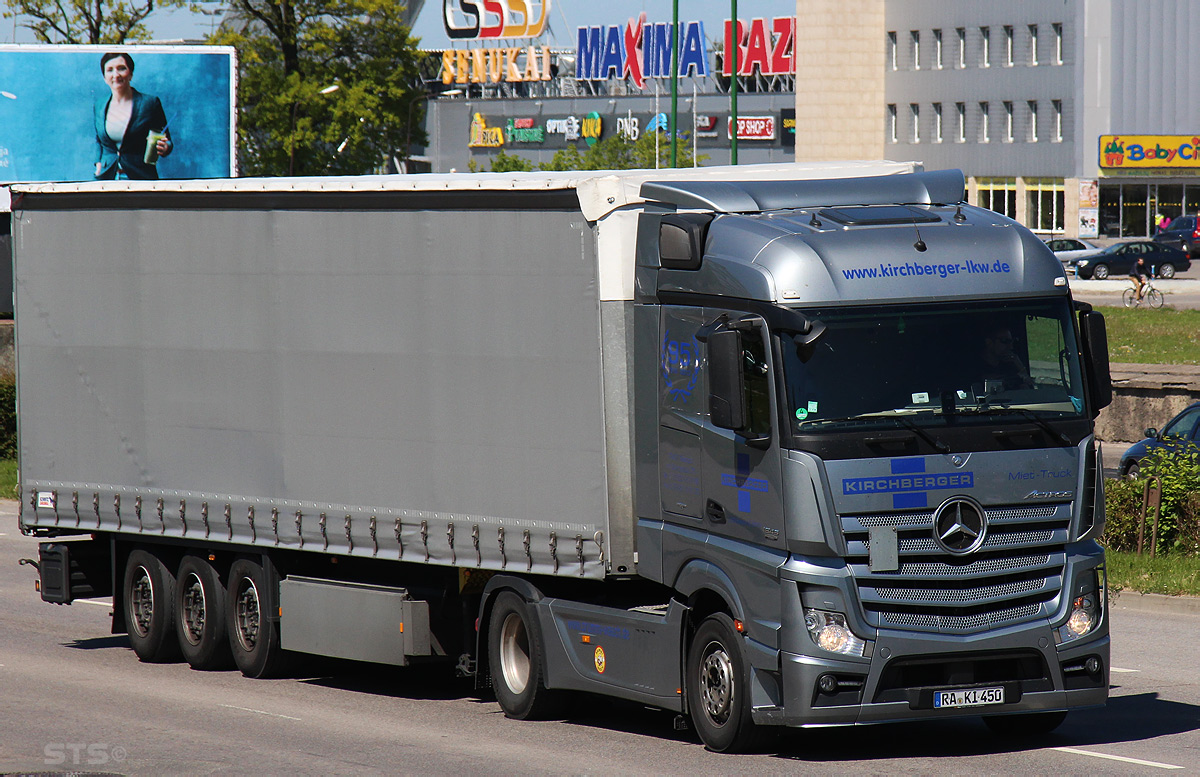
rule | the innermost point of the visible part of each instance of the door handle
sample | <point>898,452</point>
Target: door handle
<point>714,511</point>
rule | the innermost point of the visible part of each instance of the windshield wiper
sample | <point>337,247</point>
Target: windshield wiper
<point>937,444</point>
<point>1026,413</point>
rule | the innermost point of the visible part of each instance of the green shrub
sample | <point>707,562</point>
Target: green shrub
<point>8,419</point>
<point>1178,471</point>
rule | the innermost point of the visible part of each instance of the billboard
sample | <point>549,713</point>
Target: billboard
<point>57,121</point>
<point>1149,151</point>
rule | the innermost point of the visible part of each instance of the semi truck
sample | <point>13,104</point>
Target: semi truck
<point>779,446</point>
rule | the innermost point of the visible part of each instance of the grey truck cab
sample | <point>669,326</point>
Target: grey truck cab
<point>871,428</point>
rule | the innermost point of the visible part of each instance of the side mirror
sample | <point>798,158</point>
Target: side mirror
<point>726,379</point>
<point>1151,432</point>
<point>1095,356</point>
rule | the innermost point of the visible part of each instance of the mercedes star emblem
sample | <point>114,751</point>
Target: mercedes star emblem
<point>960,526</point>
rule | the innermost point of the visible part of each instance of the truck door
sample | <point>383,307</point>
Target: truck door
<point>741,470</point>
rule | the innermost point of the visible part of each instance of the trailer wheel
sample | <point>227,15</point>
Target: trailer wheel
<point>515,655</point>
<point>1033,724</point>
<point>253,636</point>
<point>149,593</point>
<point>200,615</point>
<point>719,687</point>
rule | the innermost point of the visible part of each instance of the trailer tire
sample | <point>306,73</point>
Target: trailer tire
<point>1033,724</point>
<point>253,636</point>
<point>200,615</point>
<point>515,656</point>
<point>718,687</point>
<point>149,601</point>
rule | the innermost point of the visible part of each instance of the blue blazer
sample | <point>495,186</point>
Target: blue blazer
<point>147,115</point>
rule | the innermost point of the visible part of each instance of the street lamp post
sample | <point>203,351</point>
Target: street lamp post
<point>295,109</point>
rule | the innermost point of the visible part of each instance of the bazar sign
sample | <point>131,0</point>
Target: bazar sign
<point>485,19</point>
<point>639,50</point>
<point>1142,151</point>
<point>491,66</point>
<point>752,127</point>
<point>766,45</point>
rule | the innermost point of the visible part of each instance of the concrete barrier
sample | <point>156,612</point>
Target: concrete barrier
<point>1146,395</point>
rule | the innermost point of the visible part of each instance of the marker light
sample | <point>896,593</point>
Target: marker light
<point>829,632</point>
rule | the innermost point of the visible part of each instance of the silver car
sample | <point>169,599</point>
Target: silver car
<point>1070,250</point>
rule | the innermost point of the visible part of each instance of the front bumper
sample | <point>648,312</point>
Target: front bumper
<point>882,695</point>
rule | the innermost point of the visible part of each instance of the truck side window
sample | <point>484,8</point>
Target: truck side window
<point>758,386</point>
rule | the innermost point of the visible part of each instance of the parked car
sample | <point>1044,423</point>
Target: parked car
<point>1119,258</point>
<point>1183,233</point>
<point>1070,250</point>
<point>1179,432</point>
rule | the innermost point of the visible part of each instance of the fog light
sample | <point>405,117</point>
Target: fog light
<point>828,684</point>
<point>1092,666</point>
<point>830,632</point>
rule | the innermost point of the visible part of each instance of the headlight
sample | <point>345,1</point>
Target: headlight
<point>1083,262</point>
<point>1086,608</point>
<point>830,632</point>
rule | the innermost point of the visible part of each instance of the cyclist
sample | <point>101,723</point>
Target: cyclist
<point>1137,274</point>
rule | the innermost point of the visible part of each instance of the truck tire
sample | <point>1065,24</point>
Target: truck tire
<point>149,593</point>
<point>1032,724</point>
<point>200,615</point>
<point>718,687</point>
<point>515,656</point>
<point>253,637</point>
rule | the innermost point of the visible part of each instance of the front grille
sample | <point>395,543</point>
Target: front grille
<point>1015,576</point>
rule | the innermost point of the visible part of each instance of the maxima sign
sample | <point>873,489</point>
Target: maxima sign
<point>639,50</point>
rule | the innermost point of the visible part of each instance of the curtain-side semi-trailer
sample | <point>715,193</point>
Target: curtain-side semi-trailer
<point>778,446</point>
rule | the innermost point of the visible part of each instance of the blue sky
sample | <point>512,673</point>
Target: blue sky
<point>565,17</point>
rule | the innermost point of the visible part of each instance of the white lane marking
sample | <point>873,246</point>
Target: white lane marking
<point>1120,758</point>
<point>1116,669</point>
<point>100,602</point>
<point>260,712</point>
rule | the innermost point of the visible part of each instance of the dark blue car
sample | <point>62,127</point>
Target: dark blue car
<point>1117,259</point>
<point>1179,432</point>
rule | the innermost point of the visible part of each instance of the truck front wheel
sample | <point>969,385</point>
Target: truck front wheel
<point>200,620</point>
<point>515,655</point>
<point>253,636</point>
<point>719,688</point>
<point>149,593</point>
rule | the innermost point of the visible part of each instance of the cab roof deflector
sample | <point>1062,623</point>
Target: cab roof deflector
<point>938,187</point>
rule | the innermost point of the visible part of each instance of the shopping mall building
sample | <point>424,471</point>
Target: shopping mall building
<point>1074,117</point>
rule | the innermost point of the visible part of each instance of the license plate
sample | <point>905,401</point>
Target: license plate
<point>968,697</point>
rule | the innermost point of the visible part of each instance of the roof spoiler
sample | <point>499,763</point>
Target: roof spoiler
<point>938,187</point>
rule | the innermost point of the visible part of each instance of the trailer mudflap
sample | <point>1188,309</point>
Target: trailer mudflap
<point>380,624</point>
<point>74,570</point>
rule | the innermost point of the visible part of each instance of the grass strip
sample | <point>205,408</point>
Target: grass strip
<point>1173,575</point>
<point>1146,336</point>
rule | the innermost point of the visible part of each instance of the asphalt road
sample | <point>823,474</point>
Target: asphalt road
<point>1181,292</point>
<point>75,698</point>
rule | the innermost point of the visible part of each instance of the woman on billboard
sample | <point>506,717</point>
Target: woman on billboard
<point>131,127</point>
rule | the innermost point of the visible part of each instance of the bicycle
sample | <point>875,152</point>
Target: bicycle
<point>1150,295</point>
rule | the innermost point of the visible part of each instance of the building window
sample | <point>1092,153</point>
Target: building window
<point>985,132</point>
<point>892,49</point>
<point>960,109</point>
<point>1033,45</point>
<point>916,49</point>
<point>915,112</point>
<point>1045,202</point>
<point>985,47</point>
<point>1008,122</point>
<point>961,34</point>
<point>998,194</point>
<point>893,135</point>
<point>1058,128</point>
<point>1033,121</point>
<point>937,122</point>
<point>937,49</point>
<point>1058,43</point>
<point>1008,46</point>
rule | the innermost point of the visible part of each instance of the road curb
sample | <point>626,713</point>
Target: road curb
<point>1156,603</point>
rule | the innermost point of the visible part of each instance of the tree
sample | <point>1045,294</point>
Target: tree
<point>618,152</point>
<point>326,86</point>
<point>88,21</point>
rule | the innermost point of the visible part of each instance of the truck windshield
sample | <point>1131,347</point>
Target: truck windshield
<point>928,365</point>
